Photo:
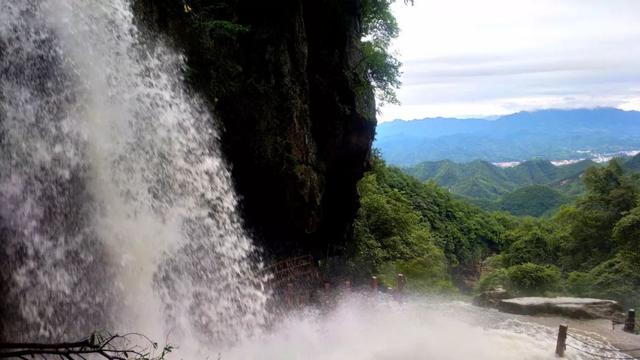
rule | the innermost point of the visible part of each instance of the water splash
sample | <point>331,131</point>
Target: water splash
<point>117,210</point>
<point>363,328</point>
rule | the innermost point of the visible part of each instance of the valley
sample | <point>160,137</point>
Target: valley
<point>533,187</point>
<point>542,134</point>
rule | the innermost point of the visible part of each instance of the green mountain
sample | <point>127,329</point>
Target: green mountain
<point>535,187</point>
<point>533,200</point>
<point>589,248</point>
<point>482,180</point>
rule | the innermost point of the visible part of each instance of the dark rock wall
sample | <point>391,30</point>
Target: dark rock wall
<point>296,109</point>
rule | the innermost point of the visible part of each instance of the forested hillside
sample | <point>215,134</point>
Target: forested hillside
<point>587,248</point>
<point>483,180</point>
<point>419,229</point>
<point>548,134</point>
<point>535,187</point>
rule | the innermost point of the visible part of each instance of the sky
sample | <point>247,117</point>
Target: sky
<point>478,58</point>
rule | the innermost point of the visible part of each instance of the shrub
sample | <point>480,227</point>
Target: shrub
<point>617,279</point>
<point>533,279</point>
<point>579,284</point>
<point>532,248</point>
<point>495,279</point>
<point>427,274</point>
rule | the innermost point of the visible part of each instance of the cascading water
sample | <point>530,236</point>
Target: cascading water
<point>117,210</point>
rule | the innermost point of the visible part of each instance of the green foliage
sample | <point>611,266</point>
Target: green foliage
<point>403,223</point>
<point>534,200</point>
<point>525,279</point>
<point>383,71</point>
<point>533,247</point>
<point>533,279</point>
<point>587,227</point>
<point>626,232</point>
<point>617,278</point>
<point>530,241</point>
<point>579,283</point>
<point>428,274</point>
<point>387,229</point>
<point>533,188</point>
<point>492,280</point>
<point>379,28</point>
<point>588,248</point>
<point>218,28</point>
<point>594,240</point>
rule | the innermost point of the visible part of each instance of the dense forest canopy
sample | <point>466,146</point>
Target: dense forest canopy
<point>588,247</point>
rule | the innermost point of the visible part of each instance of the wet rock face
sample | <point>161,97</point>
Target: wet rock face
<point>576,308</point>
<point>297,114</point>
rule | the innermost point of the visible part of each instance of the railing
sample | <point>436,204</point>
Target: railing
<point>609,353</point>
<point>301,268</point>
<point>296,282</point>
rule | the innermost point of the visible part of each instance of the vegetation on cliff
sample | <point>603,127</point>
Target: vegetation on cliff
<point>292,85</point>
<point>421,228</point>
<point>592,241</point>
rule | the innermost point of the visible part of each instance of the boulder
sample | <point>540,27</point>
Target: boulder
<point>576,308</point>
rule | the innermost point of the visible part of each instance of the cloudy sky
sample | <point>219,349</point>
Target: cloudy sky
<point>468,58</point>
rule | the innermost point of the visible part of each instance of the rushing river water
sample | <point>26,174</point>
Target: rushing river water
<point>117,212</point>
<point>363,328</point>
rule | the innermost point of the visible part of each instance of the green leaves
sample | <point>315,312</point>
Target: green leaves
<point>626,233</point>
<point>222,28</point>
<point>417,228</point>
<point>617,278</point>
<point>524,279</point>
<point>533,279</point>
<point>379,28</point>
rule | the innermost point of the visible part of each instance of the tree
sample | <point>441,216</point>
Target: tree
<point>379,28</point>
<point>626,233</point>
<point>533,279</point>
<point>589,225</point>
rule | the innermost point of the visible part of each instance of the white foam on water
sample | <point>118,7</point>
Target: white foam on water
<point>120,208</point>
<point>361,328</point>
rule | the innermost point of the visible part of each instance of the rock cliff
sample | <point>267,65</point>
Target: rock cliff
<point>298,116</point>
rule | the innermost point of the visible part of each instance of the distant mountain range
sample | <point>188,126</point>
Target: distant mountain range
<point>546,134</point>
<point>534,187</point>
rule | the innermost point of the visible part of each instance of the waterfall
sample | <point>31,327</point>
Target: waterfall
<point>117,210</point>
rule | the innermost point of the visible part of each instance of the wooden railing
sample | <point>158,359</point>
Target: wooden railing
<point>296,282</point>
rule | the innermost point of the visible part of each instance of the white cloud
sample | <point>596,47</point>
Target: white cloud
<point>476,58</point>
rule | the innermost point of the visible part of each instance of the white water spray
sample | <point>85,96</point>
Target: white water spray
<point>364,328</point>
<point>117,209</point>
